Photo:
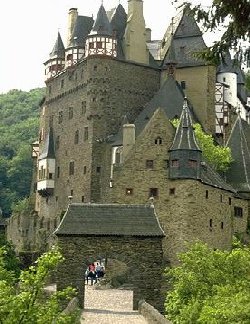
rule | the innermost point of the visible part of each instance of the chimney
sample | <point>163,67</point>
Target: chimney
<point>72,16</point>
<point>128,138</point>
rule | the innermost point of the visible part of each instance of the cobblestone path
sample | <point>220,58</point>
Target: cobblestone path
<point>109,306</point>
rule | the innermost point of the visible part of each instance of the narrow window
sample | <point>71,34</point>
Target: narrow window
<point>71,192</point>
<point>149,164</point>
<point>221,198</point>
<point>56,198</point>
<point>86,133</point>
<point>229,201</point>
<point>210,223</point>
<point>62,83</point>
<point>221,225</point>
<point>172,191</point>
<point>206,194</point>
<point>153,192</point>
<point>91,45</point>
<point>70,112</point>
<point>57,142</point>
<point>58,172</point>
<point>71,168</point>
<point>98,169</point>
<point>183,85</point>
<point>84,105</point>
<point>84,169</point>
<point>50,176</point>
<point>60,117</point>
<point>82,198</point>
<point>129,191</point>
<point>76,139</point>
<point>95,67</point>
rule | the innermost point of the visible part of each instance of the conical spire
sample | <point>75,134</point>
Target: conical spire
<point>185,154</point>
<point>185,138</point>
<point>58,49</point>
<point>48,151</point>
<point>101,25</point>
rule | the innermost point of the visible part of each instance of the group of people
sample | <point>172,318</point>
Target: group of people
<point>94,272</point>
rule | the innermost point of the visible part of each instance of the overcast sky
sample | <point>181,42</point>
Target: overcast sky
<point>29,29</point>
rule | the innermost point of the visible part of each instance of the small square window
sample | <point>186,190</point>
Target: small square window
<point>83,198</point>
<point>71,168</point>
<point>153,192</point>
<point>238,212</point>
<point>98,169</point>
<point>183,85</point>
<point>71,192</point>
<point>129,191</point>
<point>175,163</point>
<point>172,191</point>
<point>192,164</point>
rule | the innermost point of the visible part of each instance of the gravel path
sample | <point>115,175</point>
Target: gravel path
<point>105,306</point>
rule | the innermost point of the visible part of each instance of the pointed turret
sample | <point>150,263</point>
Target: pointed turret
<point>101,40</point>
<point>46,167</point>
<point>185,154</point>
<point>56,62</point>
<point>239,173</point>
<point>135,38</point>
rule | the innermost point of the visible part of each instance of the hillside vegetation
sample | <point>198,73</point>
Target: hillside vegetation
<point>19,123</point>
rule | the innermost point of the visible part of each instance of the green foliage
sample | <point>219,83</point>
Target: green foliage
<point>210,286</point>
<point>232,16</point>
<point>248,81</point>
<point>219,157</point>
<point>19,123</point>
<point>9,260</point>
<point>26,302</point>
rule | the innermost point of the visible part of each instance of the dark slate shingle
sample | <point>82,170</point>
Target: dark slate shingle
<point>110,219</point>
<point>48,151</point>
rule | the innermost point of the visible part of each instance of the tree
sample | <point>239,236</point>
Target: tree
<point>230,15</point>
<point>25,302</point>
<point>210,286</point>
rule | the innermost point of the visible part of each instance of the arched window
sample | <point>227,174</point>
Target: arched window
<point>158,140</point>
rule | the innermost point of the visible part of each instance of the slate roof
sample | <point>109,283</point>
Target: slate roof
<point>118,21</point>
<point>48,151</point>
<point>110,220</point>
<point>184,136</point>
<point>169,97</point>
<point>211,177</point>
<point>185,38</point>
<point>227,65</point>
<point>81,30</point>
<point>101,25</point>
<point>58,49</point>
<point>239,173</point>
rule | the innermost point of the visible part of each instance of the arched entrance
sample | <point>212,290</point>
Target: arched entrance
<point>127,233</point>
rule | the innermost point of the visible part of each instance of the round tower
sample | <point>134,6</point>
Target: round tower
<point>101,40</point>
<point>56,62</point>
<point>185,154</point>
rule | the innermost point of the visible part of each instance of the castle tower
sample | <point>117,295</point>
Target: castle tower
<point>46,167</point>
<point>101,40</point>
<point>56,62</point>
<point>135,38</point>
<point>185,154</point>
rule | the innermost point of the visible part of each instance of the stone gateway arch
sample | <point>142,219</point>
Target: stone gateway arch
<point>127,233</point>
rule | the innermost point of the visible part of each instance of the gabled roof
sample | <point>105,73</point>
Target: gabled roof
<point>81,30</point>
<point>239,173</point>
<point>102,25</point>
<point>58,49</point>
<point>48,151</point>
<point>110,220</point>
<point>184,137</point>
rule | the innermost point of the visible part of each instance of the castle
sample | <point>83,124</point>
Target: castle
<point>106,137</point>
